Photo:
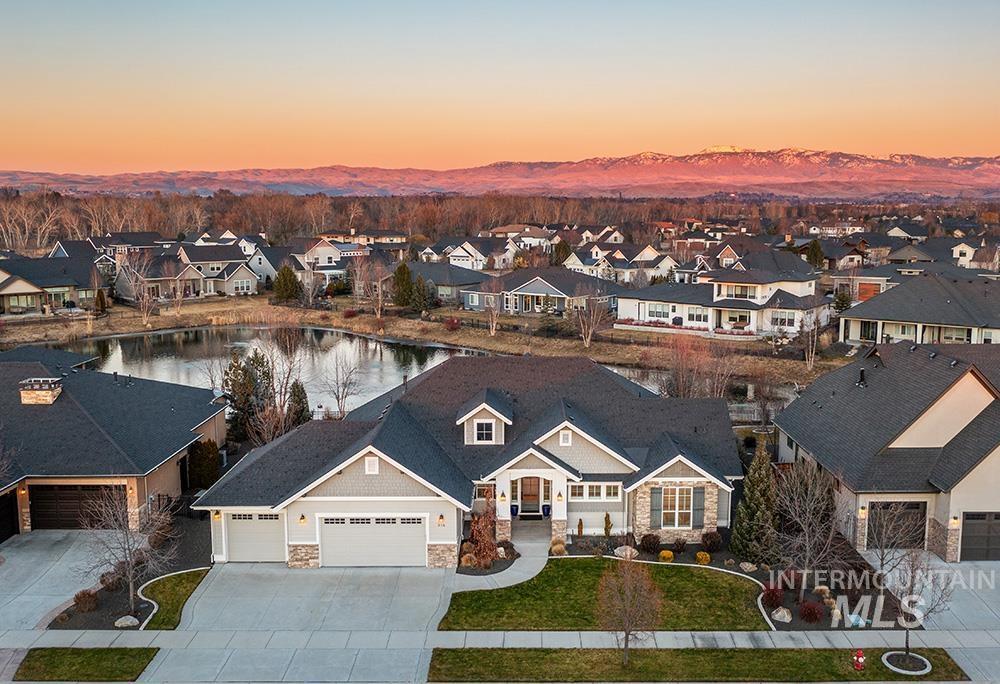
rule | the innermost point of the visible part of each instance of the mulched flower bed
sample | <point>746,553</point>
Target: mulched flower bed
<point>194,551</point>
<point>499,565</point>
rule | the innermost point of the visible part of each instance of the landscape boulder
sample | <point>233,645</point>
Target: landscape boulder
<point>626,552</point>
<point>781,614</point>
<point>126,622</point>
<point>747,566</point>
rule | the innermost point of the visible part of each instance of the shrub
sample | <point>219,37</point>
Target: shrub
<point>702,558</point>
<point>607,524</point>
<point>650,543</point>
<point>350,313</point>
<point>679,545</point>
<point>468,560</point>
<point>811,612</point>
<point>467,547</point>
<point>773,597</point>
<point>452,324</point>
<point>111,581</point>
<point>557,550</point>
<point>160,537</point>
<point>579,527</point>
<point>711,541</point>
<point>666,556</point>
<point>85,600</point>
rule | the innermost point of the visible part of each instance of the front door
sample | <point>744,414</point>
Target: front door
<point>529,495</point>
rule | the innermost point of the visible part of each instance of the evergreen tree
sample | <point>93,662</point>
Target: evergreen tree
<point>560,252</point>
<point>204,464</point>
<point>815,254</point>
<point>842,301</point>
<point>247,383</point>
<point>753,535</point>
<point>402,285</point>
<point>287,287</point>
<point>100,302</point>
<point>421,297</point>
<point>298,405</point>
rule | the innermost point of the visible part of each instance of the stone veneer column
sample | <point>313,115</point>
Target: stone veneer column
<point>24,508</point>
<point>442,555</point>
<point>303,555</point>
<point>943,540</point>
<point>558,529</point>
<point>503,530</point>
<point>861,532</point>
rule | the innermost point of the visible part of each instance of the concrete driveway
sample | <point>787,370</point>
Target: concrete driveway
<point>975,600</point>
<point>41,571</point>
<point>270,596</point>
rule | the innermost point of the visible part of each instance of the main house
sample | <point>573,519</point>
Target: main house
<point>540,290</point>
<point>912,424</point>
<point>71,434</point>
<point>927,308</point>
<point>562,439</point>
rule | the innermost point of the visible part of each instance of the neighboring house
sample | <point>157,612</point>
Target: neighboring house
<point>911,232</point>
<point>391,241</point>
<point>114,245</point>
<point>836,255</point>
<point>836,229</point>
<point>74,433</point>
<point>440,250</point>
<point>622,263</point>
<point>540,290</point>
<point>927,308</point>
<point>444,280</point>
<point>913,424</point>
<point>865,283</point>
<point>211,259</point>
<point>875,246</point>
<point>561,439</point>
<point>265,262</point>
<point>165,275</point>
<point>37,285</point>
<point>481,254</point>
<point>953,250</point>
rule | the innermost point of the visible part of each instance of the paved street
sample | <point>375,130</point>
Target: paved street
<point>40,572</point>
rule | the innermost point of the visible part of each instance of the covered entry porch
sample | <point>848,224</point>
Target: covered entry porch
<point>531,496</point>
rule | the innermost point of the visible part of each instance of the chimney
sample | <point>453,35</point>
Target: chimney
<point>40,391</point>
<point>115,376</point>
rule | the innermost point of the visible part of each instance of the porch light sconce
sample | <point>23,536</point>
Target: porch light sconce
<point>503,497</point>
<point>24,490</point>
<point>302,519</point>
<point>216,515</point>
<point>954,523</point>
<point>559,496</point>
<point>863,512</point>
<point>441,520</point>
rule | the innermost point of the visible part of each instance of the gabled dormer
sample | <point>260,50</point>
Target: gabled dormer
<point>484,417</point>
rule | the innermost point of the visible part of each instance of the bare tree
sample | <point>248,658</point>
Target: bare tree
<point>808,518</point>
<point>809,334</point>
<point>923,592</point>
<point>493,304</point>
<point>765,393</point>
<point>629,603</point>
<point>371,282</point>
<point>172,270</point>
<point>132,543</point>
<point>354,211</point>
<point>282,360</point>
<point>893,526</point>
<point>343,381</point>
<point>591,312</point>
<point>134,270</point>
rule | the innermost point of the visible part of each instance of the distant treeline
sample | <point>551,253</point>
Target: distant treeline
<point>32,221</point>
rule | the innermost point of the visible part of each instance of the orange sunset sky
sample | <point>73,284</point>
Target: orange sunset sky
<point>139,86</point>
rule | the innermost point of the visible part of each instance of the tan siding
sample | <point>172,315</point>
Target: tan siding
<point>470,426</point>
<point>352,481</point>
<point>530,462</point>
<point>680,470</point>
<point>584,455</point>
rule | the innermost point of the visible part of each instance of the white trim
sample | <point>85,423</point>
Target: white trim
<point>336,469</point>
<point>318,517</point>
<point>371,465</point>
<point>678,510</point>
<point>568,434</point>
<point>475,431</point>
<point>611,452</point>
<point>680,457</point>
<point>586,491</point>
<point>371,498</point>
<point>479,408</point>
<point>531,451</point>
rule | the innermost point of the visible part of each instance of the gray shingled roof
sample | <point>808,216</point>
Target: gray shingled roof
<point>847,427</point>
<point>97,426</point>
<point>62,272</point>
<point>57,361</point>
<point>443,273</point>
<point>206,253</point>
<point>973,302</point>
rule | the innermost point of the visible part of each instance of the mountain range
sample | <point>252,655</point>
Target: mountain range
<point>787,172</point>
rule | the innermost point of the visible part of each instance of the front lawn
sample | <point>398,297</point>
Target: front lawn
<point>171,593</point>
<point>683,665</point>
<point>84,664</point>
<point>563,596</point>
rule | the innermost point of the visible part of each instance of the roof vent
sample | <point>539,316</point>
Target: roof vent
<point>954,362</point>
<point>40,391</point>
<point>932,355</point>
<point>913,347</point>
<point>861,379</point>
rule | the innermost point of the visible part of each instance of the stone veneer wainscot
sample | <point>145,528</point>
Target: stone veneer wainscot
<point>641,524</point>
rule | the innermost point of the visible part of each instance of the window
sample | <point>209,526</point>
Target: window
<point>576,492</point>
<point>334,521</point>
<point>677,506</point>
<point>371,465</point>
<point>659,310</point>
<point>593,491</point>
<point>361,521</point>
<point>956,335</point>
<point>241,286</point>
<point>738,316</point>
<point>484,431</point>
<point>22,301</point>
<point>739,292</point>
<point>513,490</point>
<point>788,441</point>
<point>611,492</point>
<point>566,438</point>
<point>483,490</point>
<point>546,490</point>
<point>697,314</point>
<point>473,299</point>
<point>385,521</point>
<point>782,319</point>
<point>241,516</point>
<point>267,516</point>
<point>411,521</point>
<point>869,330</point>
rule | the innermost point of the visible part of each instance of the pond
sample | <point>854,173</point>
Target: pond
<point>194,356</point>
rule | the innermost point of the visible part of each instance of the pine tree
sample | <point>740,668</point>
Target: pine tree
<point>753,535</point>
<point>402,285</point>
<point>560,253</point>
<point>842,301</point>
<point>298,405</point>
<point>421,296</point>
<point>815,254</point>
<point>287,287</point>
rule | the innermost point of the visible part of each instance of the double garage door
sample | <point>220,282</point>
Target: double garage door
<point>981,536</point>
<point>65,507</point>
<point>367,540</point>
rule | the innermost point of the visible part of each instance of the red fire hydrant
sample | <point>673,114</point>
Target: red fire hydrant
<point>859,660</point>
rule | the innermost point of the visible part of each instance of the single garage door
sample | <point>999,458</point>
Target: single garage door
<point>904,521</point>
<point>255,537</point>
<point>63,507</point>
<point>981,536</point>
<point>373,540</point>
<point>8,515</point>
<point>867,290</point>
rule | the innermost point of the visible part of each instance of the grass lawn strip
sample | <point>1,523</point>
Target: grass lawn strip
<point>684,665</point>
<point>563,596</point>
<point>84,664</point>
<point>170,594</point>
